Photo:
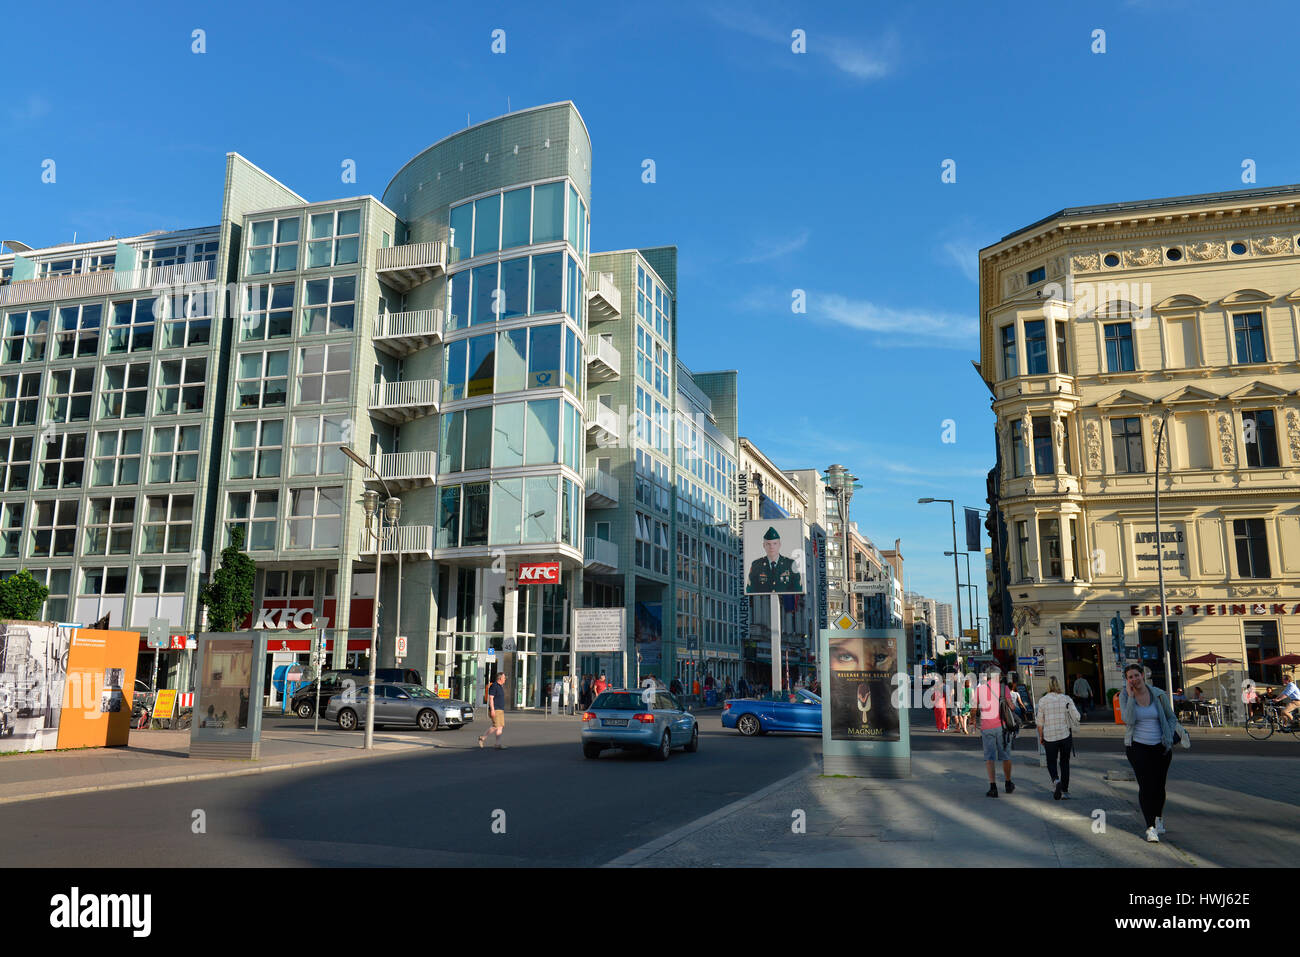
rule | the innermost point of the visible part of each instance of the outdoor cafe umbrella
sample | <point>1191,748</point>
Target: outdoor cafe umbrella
<point>1213,660</point>
<point>1281,660</point>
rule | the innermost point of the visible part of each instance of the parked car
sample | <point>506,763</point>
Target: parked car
<point>303,702</point>
<point>647,719</point>
<point>795,710</point>
<point>399,703</point>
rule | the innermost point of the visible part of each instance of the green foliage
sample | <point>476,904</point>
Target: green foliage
<point>229,595</point>
<point>21,597</point>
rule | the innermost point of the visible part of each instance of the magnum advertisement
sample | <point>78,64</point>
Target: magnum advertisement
<point>861,689</point>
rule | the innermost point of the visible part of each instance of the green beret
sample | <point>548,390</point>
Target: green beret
<point>771,534</point>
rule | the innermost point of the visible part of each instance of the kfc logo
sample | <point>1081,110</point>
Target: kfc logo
<point>539,573</point>
<point>289,618</point>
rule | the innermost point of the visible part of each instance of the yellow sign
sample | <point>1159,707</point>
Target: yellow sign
<point>444,692</point>
<point>844,623</point>
<point>971,632</point>
<point>165,704</point>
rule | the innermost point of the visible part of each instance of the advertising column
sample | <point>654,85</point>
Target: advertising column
<point>865,729</point>
<point>228,695</point>
<point>773,571</point>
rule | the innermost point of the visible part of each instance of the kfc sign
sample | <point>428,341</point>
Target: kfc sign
<point>289,618</point>
<point>539,573</point>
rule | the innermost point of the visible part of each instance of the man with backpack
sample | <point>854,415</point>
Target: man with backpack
<point>998,726</point>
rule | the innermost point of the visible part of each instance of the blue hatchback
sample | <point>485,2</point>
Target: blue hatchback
<point>796,710</point>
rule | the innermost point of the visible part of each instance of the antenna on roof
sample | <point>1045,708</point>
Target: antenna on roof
<point>467,121</point>
<point>507,104</point>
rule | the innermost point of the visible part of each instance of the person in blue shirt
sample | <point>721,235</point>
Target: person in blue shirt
<point>1288,698</point>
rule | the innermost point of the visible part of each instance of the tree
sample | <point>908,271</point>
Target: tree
<point>229,595</point>
<point>21,597</point>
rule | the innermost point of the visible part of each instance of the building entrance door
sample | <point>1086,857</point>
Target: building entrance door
<point>1082,658</point>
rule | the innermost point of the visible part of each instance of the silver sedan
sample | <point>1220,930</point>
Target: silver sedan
<point>647,719</point>
<point>398,703</point>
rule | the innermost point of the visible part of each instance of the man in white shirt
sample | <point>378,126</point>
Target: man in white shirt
<point>1289,698</point>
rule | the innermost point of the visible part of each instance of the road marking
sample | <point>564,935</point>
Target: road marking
<point>634,857</point>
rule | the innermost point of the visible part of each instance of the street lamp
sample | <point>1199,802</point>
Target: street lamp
<point>956,576</point>
<point>970,584</point>
<point>392,511</point>
<point>843,483</point>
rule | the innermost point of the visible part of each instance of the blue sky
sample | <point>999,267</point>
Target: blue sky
<point>776,171</point>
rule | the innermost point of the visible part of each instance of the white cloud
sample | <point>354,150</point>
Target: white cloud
<point>33,107</point>
<point>965,255</point>
<point>769,250</point>
<point>897,327</point>
<point>847,54</point>
<point>858,61</point>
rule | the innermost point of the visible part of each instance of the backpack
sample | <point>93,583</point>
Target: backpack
<point>1007,713</point>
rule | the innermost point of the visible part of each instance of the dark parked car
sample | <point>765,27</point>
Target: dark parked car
<point>303,702</point>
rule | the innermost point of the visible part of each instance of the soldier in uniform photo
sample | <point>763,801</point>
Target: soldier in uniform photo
<point>774,572</point>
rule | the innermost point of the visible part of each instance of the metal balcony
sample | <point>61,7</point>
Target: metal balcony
<point>604,301</point>
<point>602,424</point>
<point>604,362</point>
<point>399,402</point>
<point>600,556</point>
<point>405,267</point>
<point>405,470</point>
<point>602,488</point>
<point>105,282</point>
<point>402,333</point>
<point>410,541</point>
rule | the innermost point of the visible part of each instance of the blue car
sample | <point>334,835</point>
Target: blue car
<point>797,710</point>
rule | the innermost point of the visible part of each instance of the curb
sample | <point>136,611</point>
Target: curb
<point>185,778</point>
<point>634,857</point>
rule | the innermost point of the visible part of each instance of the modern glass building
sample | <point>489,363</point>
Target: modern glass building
<point>158,392</point>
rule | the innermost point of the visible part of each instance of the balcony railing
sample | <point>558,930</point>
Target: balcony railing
<point>403,401</point>
<point>405,470</point>
<point>600,555</point>
<point>602,488</point>
<point>104,283</point>
<point>402,333</point>
<point>406,540</point>
<point>604,301</point>
<point>604,362</point>
<point>405,267</point>
<point>602,423</point>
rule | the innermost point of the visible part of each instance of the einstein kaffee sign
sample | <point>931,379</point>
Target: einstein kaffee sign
<point>1221,609</point>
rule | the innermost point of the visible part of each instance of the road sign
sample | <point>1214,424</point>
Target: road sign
<point>971,633</point>
<point>1026,660</point>
<point>509,645</point>
<point>401,646</point>
<point>492,656</point>
<point>844,623</point>
<point>870,588</point>
<point>159,633</point>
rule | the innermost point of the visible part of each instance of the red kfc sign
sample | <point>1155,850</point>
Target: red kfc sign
<point>539,573</point>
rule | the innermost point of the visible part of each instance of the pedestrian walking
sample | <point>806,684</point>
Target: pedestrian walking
<point>675,686</point>
<point>1150,732</point>
<point>1057,717</point>
<point>964,700</point>
<point>496,710</point>
<point>1082,695</point>
<point>995,740</point>
<point>599,685</point>
<point>940,706</point>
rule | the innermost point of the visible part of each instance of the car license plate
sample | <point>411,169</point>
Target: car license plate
<point>614,722</point>
<point>453,713</point>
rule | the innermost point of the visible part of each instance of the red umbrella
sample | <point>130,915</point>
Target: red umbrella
<point>1281,660</point>
<point>1211,659</point>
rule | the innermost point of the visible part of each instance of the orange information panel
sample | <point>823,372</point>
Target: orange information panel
<point>100,680</point>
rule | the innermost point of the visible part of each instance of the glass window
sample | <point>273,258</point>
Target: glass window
<point>1119,347</point>
<point>484,304</point>
<point>478,438</point>
<point>168,524</point>
<point>482,361</point>
<point>487,224</point>
<point>174,454</point>
<point>449,516</point>
<point>1009,364</point>
<point>516,212</point>
<point>570,453</point>
<point>543,428</point>
<point>1259,432</point>
<point>187,318</point>
<point>78,331</point>
<point>462,229</point>
<point>117,457</point>
<point>315,517</point>
<point>268,311</point>
<point>544,357</point>
<point>125,392</point>
<point>70,393</point>
<point>182,385</point>
<point>1044,459</point>
<point>256,448</point>
<point>318,444</point>
<point>54,532</point>
<point>324,373</point>
<point>1261,643</point>
<point>1022,548</point>
<point>131,325</point>
<point>474,530</point>
<point>548,212</point>
<point>16,462</point>
<point>513,298</point>
<point>541,499</point>
<point>20,398</point>
<point>1126,443</point>
<point>571,234</point>
<point>329,305</point>
<point>508,441</point>
<point>1251,538</point>
<point>1036,347</point>
<point>11,529</point>
<point>453,385</point>
<point>257,514</point>
<point>507,505</point>
<point>63,460</point>
<point>512,361</point>
<point>453,437</point>
<point>548,283</point>
<point>274,246</point>
<point>458,301</point>
<point>334,238</point>
<point>1049,538</point>
<point>110,526</point>
<point>1248,330</point>
<point>1062,349</point>
<point>262,380</point>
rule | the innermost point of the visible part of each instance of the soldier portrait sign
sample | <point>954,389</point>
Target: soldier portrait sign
<point>774,556</point>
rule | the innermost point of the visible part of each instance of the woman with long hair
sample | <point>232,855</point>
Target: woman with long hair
<point>1057,717</point>
<point>1149,730</point>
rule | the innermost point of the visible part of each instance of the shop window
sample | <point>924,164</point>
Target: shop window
<point>1261,642</point>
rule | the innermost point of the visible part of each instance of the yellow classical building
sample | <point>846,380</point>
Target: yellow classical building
<point>1100,327</point>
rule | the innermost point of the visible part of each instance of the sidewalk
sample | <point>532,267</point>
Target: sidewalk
<point>1222,811</point>
<point>162,757</point>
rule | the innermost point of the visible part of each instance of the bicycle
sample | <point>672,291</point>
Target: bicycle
<point>1262,725</point>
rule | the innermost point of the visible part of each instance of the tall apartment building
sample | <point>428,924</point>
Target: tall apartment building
<point>158,391</point>
<point>1142,342</point>
<point>943,618</point>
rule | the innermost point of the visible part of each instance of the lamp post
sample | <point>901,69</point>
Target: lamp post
<point>392,511</point>
<point>844,484</point>
<point>970,584</point>
<point>1160,560</point>
<point>956,575</point>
